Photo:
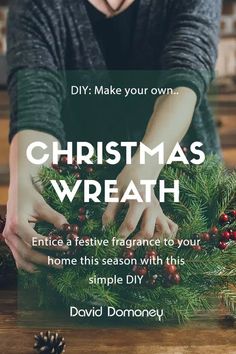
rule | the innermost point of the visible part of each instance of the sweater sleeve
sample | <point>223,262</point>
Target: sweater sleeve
<point>190,51</point>
<point>36,82</point>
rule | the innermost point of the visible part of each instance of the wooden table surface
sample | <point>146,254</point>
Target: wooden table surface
<point>208,333</point>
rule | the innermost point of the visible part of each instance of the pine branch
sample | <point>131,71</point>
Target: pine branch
<point>228,296</point>
<point>205,192</point>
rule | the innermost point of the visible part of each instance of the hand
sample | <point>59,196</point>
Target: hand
<point>154,223</point>
<point>160,129</point>
<point>26,206</point>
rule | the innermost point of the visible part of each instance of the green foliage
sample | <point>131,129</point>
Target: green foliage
<point>229,298</point>
<point>205,192</point>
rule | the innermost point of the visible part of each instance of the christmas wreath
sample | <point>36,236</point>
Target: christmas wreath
<point>178,277</point>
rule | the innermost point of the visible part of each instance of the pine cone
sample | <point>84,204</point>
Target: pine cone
<point>49,343</point>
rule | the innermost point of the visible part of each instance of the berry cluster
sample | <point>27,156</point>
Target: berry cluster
<point>226,237</point>
<point>168,276</point>
<point>83,215</point>
<point>172,277</point>
<point>227,218</point>
<point>69,232</point>
<point>78,171</point>
<point>215,237</point>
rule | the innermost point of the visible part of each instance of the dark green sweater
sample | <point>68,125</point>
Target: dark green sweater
<point>48,38</point>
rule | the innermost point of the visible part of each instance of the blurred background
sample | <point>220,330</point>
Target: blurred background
<point>222,96</point>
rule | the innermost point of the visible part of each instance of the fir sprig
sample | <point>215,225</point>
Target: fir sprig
<point>205,192</point>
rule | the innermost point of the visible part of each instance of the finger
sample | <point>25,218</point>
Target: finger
<point>110,213</point>
<point>148,224</point>
<point>31,237</point>
<point>162,228</point>
<point>46,213</point>
<point>173,227</point>
<point>27,267</point>
<point>23,265</point>
<point>25,252</point>
<point>20,263</point>
<point>132,218</point>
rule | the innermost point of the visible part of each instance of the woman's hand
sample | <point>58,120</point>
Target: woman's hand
<point>153,222</point>
<point>170,120</point>
<point>26,206</point>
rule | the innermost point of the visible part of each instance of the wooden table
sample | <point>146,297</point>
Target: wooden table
<point>208,333</point>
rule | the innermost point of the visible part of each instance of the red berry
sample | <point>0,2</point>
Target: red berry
<point>197,248</point>
<point>140,270</point>
<point>74,162</point>
<point>74,229</point>
<point>86,238</point>
<point>64,160</point>
<point>232,213</point>
<point>233,235</point>
<point>224,218</point>
<point>151,254</point>
<point>225,236</point>
<point>174,278</point>
<point>55,237</point>
<point>82,218</point>
<point>67,228</point>
<point>89,169</point>
<point>55,166</point>
<point>214,230</point>
<point>170,268</point>
<point>82,210</point>
<point>72,237</point>
<point>205,236</point>
<point>222,245</point>
<point>128,253</point>
<point>77,175</point>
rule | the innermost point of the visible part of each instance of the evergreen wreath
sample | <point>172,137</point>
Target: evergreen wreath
<point>206,215</point>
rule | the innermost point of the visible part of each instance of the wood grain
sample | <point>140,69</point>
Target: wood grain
<point>205,334</point>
